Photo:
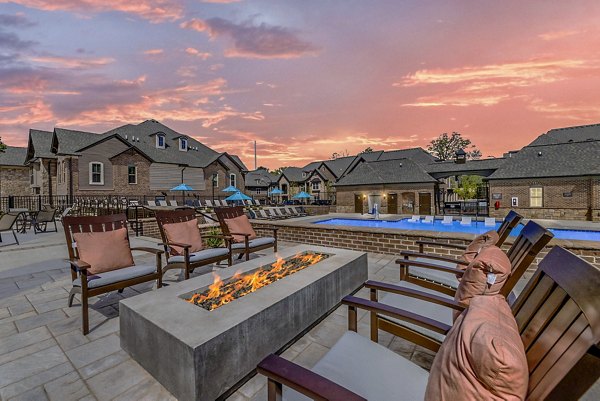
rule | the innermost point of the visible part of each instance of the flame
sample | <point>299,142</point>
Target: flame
<point>220,293</point>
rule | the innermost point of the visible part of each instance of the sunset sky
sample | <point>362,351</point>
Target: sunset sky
<point>303,78</point>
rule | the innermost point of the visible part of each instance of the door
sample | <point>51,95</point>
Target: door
<point>392,207</point>
<point>358,203</point>
<point>425,203</point>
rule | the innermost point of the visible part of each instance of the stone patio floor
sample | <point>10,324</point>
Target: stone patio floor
<point>44,356</point>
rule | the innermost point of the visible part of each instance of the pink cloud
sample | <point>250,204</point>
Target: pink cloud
<point>71,62</point>
<point>153,52</point>
<point>197,53</point>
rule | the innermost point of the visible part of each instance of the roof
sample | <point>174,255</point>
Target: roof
<point>239,161</point>
<point>40,144</point>
<point>579,133</point>
<point>68,142</point>
<point>13,156</point>
<point>449,166</point>
<point>260,178</point>
<point>418,155</point>
<point>559,160</point>
<point>293,174</point>
<point>339,165</point>
<point>395,171</point>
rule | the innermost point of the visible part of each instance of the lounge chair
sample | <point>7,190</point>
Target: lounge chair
<point>42,219</point>
<point>8,223</point>
<point>428,219</point>
<point>415,219</point>
<point>244,237</point>
<point>489,222</point>
<point>173,203</point>
<point>447,220</point>
<point>465,221</point>
<point>299,211</point>
<point>209,203</point>
<point>101,261</point>
<point>260,214</point>
<point>184,249</point>
<point>163,203</point>
<point>555,318</point>
<point>257,202</point>
<point>151,203</point>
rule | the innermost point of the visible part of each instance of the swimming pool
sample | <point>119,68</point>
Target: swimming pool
<point>456,227</point>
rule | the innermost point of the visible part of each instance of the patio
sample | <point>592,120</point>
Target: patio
<point>44,356</point>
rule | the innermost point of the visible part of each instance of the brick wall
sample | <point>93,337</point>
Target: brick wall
<point>14,181</point>
<point>585,194</point>
<point>405,193</point>
<point>121,165</point>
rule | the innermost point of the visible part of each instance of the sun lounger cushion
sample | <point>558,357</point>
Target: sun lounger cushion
<point>480,242</point>
<point>369,370</point>
<point>115,276</point>
<point>104,251</point>
<point>254,243</point>
<point>185,232</point>
<point>240,225</point>
<point>491,263</point>
<point>204,254</point>
<point>482,358</point>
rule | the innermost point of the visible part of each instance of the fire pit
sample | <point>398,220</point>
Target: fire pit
<point>199,350</point>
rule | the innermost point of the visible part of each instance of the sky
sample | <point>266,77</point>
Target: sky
<point>304,78</point>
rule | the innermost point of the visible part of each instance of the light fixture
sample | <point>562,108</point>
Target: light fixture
<point>364,196</point>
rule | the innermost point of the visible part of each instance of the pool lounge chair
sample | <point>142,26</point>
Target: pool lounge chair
<point>173,203</point>
<point>8,223</point>
<point>209,203</point>
<point>261,214</point>
<point>415,218</point>
<point>257,202</point>
<point>151,203</point>
<point>299,211</point>
<point>428,219</point>
<point>466,221</point>
<point>163,203</point>
<point>42,219</point>
<point>554,318</point>
<point>489,222</point>
<point>447,220</point>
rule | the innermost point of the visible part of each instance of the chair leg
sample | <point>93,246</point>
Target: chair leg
<point>84,315</point>
<point>16,239</point>
<point>187,272</point>
<point>120,291</point>
<point>241,255</point>
<point>247,255</point>
<point>72,296</point>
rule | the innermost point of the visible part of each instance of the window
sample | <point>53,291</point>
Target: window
<point>284,188</point>
<point>160,141</point>
<point>232,180</point>
<point>215,179</point>
<point>316,185</point>
<point>96,173</point>
<point>59,172</point>
<point>132,175</point>
<point>183,144</point>
<point>64,171</point>
<point>535,197</point>
<point>258,191</point>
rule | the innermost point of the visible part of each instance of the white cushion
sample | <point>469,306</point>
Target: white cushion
<point>114,276</point>
<point>369,370</point>
<point>420,307</point>
<point>204,254</point>
<point>254,243</point>
<point>441,277</point>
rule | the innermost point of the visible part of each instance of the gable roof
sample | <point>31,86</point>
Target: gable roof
<point>40,144</point>
<point>579,133</point>
<point>260,178</point>
<point>394,171</point>
<point>13,156</point>
<point>239,161</point>
<point>558,160</point>
<point>418,155</point>
<point>470,166</point>
<point>68,141</point>
<point>293,174</point>
<point>339,165</point>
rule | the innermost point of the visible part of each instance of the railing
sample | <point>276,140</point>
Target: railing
<point>478,207</point>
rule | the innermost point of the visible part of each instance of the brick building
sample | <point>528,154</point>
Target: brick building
<point>14,174</point>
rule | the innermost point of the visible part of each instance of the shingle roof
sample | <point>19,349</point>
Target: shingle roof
<point>40,144</point>
<point>395,171</point>
<point>418,155</point>
<point>339,165</point>
<point>449,166</point>
<point>13,156</point>
<point>239,161</point>
<point>70,141</point>
<point>569,134</point>
<point>260,178</point>
<point>293,174</point>
<point>560,160</point>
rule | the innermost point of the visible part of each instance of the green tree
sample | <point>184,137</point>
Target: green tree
<point>2,145</point>
<point>467,187</point>
<point>278,170</point>
<point>445,146</point>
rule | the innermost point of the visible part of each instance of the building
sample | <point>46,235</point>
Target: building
<point>14,174</point>
<point>260,182</point>
<point>132,160</point>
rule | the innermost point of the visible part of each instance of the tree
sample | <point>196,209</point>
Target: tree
<point>445,146</point>
<point>336,155</point>
<point>278,170</point>
<point>2,145</point>
<point>467,187</point>
<point>367,150</point>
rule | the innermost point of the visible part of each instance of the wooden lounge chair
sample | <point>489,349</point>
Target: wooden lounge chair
<point>489,222</point>
<point>89,285</point>
<point>43,218</point>
<point>8,223</point>
<point>466,221</point>
<point>415,219</point>
<point>447,220</point>
<point>189,261</point>
<point>556,317</point>
<point>248,246</point>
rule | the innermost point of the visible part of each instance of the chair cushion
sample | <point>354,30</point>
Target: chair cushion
<point>185,232</point>
<point>114,276</point>
<point>481,241</point>
<point>482,358</point>
<point>423,308</point>
<point>369,370</point>
<point>240,225</point>
<point>204,254</point>
<point>491,261</point>
<point>104,251</point>
<point>448,279</point>
<point>254,243</point>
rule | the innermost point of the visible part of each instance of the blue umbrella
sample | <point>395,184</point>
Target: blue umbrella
<point>231,188</point>
<point>182,187</point>
<point>238,196</point>
<point>276,191</point>
<point>301,195</point>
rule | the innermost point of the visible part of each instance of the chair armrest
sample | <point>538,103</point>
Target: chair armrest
<point>184,246</point>
<point>79,265</point>
<point>425,265</point>
<point>443,244</point>
<point>433,256</point>
<point>150,250</point>
<point>304,381</point>
<point>245,235</point>
<point>409,292</point>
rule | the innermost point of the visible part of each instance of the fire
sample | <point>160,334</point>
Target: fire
<point>220,293</point>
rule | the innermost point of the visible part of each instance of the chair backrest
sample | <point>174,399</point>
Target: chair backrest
<point>172,216</point>
<point>447,220</point>
<point>489,222</point>
<point>532,239</point>
<point>208,203</point>
<point>163,203</point>
<point>262,213</point>
<point>46,216</point>
<point>7,221</point>
<point>230,212</point>
<point>415,217</point>
<point>217,202</point>
<point>256,202</point>
<point>510,221</point>
<point>465,220</point>
<point>151,203</point>
<point>428,219</point>
<point>558,315</point>
<point>86,224</point>
<point>174,203</point>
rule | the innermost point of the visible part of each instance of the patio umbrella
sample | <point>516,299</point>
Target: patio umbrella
<point>231,188</point>
<point>182,187</point>
<point>301,195</point>
<point>237,197</point>
<point>276,191</point>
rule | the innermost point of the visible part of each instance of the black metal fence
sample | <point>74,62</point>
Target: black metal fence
<point>475,208</point>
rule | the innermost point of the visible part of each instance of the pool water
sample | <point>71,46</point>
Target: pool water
<point>456,227</point>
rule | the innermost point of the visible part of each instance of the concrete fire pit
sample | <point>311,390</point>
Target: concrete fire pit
<point>199,354</point>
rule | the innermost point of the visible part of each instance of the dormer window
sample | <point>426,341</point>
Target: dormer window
<point>183,144</point>
<point>160,141</point>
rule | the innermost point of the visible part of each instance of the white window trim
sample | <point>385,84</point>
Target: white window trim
<point>216,181</point>
<point>181,147</point>
<point>158,143</point>
<point>232,179</point>
<point>258,191</point>
<point>318,186</point>
<point>136,175</point>
<point>541,197</point>
<point>92,172</point>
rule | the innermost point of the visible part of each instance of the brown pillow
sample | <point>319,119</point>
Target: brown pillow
<point>480,242</point>
<point>482,357</point>
<point>105,250</point>
<point>185,232</point>
<point>240,225</point>
<point>484,276</point>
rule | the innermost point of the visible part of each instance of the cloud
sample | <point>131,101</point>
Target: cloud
<point>579,112</point>
<point>72,62</point>
<point>16,20</point>
<point>555,35</point>
<point>153,52</point>
<point>197,53</point>
<point>221,1</point>
<point>151,10</point>
<point>254,41</point>
<point>460,99</point>
<point>9,40</point>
